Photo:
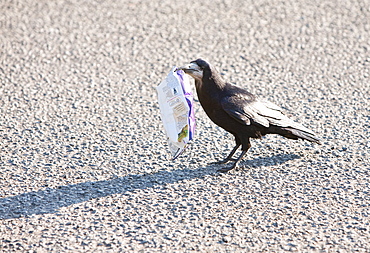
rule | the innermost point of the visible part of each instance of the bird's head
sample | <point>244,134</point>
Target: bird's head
<point>196,69</point>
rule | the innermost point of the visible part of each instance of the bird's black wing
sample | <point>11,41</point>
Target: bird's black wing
<point>247,110</point>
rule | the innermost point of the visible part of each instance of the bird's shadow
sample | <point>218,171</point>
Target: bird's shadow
<point>51,200</point>
<point>269,161</point>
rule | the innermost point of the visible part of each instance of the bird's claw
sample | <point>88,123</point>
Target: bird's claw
<point>223,161</point>
<point>224,170</point>
<point>219,162</point>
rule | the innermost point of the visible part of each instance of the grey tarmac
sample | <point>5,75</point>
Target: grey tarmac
<point>85,165</point>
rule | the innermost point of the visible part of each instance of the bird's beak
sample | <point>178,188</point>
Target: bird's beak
<point>189,68</point>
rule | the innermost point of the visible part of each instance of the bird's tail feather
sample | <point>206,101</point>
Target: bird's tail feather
<point>310,136</point>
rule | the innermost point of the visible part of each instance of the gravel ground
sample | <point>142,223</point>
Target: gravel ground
<point>84,161</point>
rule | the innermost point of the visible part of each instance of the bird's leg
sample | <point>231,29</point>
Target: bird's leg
<point>229,157</point>
<point>244,151</point>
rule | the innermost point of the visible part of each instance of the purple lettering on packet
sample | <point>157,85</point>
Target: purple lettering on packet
<point>189,99</point>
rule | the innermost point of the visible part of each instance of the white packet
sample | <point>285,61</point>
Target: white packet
<point>177,113</point>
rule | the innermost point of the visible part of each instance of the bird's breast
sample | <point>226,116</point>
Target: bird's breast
<point>212,107</point>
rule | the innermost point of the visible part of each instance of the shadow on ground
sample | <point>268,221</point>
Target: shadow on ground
<point>51,200</point>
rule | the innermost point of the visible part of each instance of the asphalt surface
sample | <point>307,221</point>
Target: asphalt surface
<point>84,162</point>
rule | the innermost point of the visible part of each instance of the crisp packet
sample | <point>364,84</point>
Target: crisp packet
<point>176,105</point>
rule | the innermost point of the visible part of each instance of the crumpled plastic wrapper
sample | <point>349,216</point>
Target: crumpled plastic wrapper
<point>177,112</point>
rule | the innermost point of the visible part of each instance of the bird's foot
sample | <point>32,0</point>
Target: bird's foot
<point>224,170</point>
<point>235,163</point>
<point>224,161</point>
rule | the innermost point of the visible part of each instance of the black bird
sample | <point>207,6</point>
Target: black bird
<point>240,112</point>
